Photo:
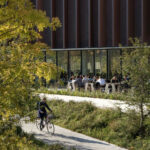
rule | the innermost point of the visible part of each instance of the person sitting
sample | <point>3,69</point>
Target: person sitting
<point>85,79</point>
<point>79,82</point>
<point>71,81</point>
<point>114,79</point>
<point>94,78</point>
<point>100,82</point>
<point>126,82</point>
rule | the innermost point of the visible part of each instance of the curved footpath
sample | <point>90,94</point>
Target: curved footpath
<point>73,139</point>
<point>98,102</point>
<point>69,139</point>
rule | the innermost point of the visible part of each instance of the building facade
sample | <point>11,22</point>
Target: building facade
<point>87,42</point>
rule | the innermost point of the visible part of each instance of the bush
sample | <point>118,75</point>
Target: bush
<point>105,124</point>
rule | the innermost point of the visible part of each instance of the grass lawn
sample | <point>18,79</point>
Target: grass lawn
<point>109,125</point>
<point>94,94</point>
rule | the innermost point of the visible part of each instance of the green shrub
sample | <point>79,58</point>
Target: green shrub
<point>110,125</point>
<point>94,94</point>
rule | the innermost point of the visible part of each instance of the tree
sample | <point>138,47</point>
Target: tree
<point>20,60</point>
<point>136,65</point>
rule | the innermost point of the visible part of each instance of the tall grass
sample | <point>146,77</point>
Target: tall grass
<point>110,125</point>
<point>82,93</point>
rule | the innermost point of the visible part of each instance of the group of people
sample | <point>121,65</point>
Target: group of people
<point>81,80</point>
<point>98,81</point>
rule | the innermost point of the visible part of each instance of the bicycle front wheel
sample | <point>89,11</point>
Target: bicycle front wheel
<point>50,128</point>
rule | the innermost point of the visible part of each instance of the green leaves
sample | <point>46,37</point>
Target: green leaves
<point>19,19</point>
<point>136,65</point>
<point>21,59</point>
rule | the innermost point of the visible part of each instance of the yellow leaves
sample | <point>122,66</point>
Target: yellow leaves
<point>55,23</point>
<point>40,27</point>
<point>3,2</point>
<point>21,60</point>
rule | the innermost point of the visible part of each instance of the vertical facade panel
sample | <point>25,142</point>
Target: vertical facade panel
<point>138,19</point>
<point>124,22</point>
<point>77,23</point>
<point>94,23</point>
<point>83,23</point>
<point>110,19</point>
<point>116,22</point>
<point>47,32</point>
<point>58,35</point>
<point>89,23</point>
<point>71,25</point>
<point>53,15</point>
<point>65,22</point>
<point>146,21</point>
<point>40,4</point>
<point>131,18</point>
<point>103,19</point>
<point>127,21</point>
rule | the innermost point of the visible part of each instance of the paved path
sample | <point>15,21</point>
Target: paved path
<point>99,102</point>
<point>69,138</point>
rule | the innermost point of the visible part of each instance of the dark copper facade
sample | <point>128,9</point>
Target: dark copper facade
<point>96,23</point>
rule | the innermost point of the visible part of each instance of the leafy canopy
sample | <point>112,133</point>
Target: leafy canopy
<point>21,60</point>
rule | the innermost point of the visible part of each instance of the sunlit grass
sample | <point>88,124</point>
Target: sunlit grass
<point>82,93</point>
<point>110,125</point>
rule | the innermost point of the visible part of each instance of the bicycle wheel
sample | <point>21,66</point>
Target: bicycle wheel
<point>50,128</point>
<point>38,123</point>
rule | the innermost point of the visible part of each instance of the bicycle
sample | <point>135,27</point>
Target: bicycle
<point>46,123</point>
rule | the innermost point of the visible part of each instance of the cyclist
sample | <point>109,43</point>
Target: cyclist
<point>42,113</point>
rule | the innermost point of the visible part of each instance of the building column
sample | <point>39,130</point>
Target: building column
<point>68,65</point>
<point>81,62</point>
<point>94,62</point>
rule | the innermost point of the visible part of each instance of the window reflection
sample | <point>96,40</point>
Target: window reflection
<point>75,62</point>
<point>115,66</point>
<point>87,62</point>
<point>63,60</point>
<point>51,57</point>
<point>101,62</point>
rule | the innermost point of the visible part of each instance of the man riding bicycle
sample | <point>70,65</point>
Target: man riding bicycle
<point>42,113</point>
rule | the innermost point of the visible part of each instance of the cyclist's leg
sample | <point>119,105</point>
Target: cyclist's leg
<point>45,116</point>
<point>42,118</point>
<point>38,114</point>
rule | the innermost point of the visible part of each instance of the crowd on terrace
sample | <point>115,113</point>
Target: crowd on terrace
<point>98,82</point>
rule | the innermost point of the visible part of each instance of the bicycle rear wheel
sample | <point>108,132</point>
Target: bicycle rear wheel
<point>38,123</point>
<point>50,128</point>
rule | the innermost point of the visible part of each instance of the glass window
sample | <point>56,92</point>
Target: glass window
<point>87,62</point>
<point>75,62</point>
<point>63,60</point>
<point>101,63</point>
<point>114,62</point>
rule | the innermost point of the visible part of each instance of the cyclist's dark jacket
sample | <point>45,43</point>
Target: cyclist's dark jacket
<point>42,106</point>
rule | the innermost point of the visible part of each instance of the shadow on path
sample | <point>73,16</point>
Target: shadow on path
<point>79,139</point>
<point>75,139</point>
